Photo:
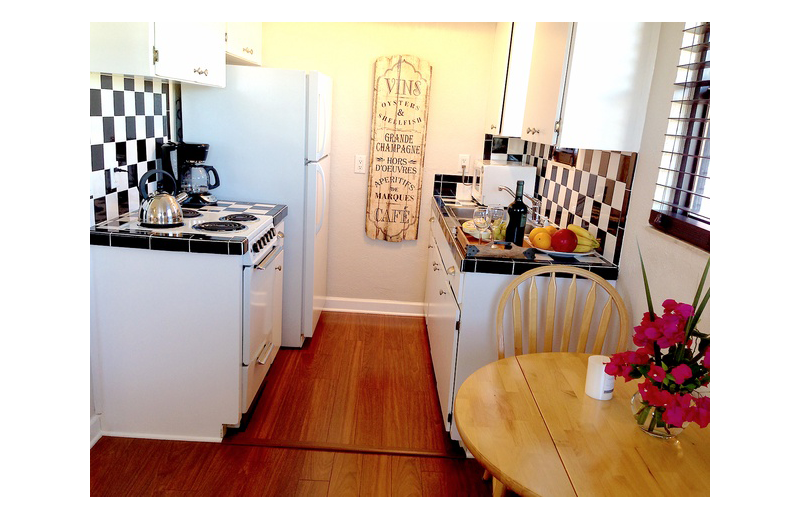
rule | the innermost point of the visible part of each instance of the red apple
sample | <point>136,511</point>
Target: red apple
<point>564,241</point>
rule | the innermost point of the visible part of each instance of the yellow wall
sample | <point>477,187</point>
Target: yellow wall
<point>460,54</point>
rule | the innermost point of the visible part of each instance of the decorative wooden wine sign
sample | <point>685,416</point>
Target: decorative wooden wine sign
<point>401,92</point>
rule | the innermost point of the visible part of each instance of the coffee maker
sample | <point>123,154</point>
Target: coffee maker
<point>185,162</point>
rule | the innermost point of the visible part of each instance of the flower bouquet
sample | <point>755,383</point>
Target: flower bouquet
<point>673,360</point>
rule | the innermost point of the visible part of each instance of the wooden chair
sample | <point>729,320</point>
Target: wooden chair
<point>545,334</point>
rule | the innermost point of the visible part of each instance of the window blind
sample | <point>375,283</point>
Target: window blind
<point>682,202</point>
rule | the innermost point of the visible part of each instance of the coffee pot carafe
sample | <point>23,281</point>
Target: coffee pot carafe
<point>185,162</point>
<point>197,179</point>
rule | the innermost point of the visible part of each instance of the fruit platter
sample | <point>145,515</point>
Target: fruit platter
<point>570,242</point>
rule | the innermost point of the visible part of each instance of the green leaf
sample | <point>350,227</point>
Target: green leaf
<point>693,322</point>
<point>697,312</point>
<point>646,286</point>
<point>702,283</point>
<point>690,324</point>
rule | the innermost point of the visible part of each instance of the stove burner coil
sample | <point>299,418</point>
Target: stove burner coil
<point>189,213</point>
<point>239,217</point>
<point>219,226</point>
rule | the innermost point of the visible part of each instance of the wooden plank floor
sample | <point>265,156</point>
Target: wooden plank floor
<point>354,413</point>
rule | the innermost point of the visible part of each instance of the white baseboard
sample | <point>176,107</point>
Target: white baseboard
<point>163,437</point>
<point>375,306</point>
<point>94,430</point>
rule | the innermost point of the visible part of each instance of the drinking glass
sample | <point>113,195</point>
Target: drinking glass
<point>481,219</point>
<point>497,214</point>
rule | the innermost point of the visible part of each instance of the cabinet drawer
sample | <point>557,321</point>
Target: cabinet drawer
<point>253,375</point>
<point>451,266</point>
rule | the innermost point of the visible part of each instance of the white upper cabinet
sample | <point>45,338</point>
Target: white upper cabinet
<point>186,52</point>
<point>497,79</point>
<point>549,61</point>
<point>590,83</point>
<point>611,69</point>
<point>243,43</point>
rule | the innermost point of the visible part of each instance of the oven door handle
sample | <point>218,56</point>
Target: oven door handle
<point>267,259</point>
<point>262,358</point>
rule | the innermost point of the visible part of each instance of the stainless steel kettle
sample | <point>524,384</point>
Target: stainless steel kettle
<point>162,208</point>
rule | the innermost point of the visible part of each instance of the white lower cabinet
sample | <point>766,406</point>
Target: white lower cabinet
<point>442,317</point>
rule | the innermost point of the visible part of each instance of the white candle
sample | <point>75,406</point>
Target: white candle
<point>599,385</point>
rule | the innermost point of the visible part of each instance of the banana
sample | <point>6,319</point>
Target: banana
<point>580,232</point>
<point>584,237</point>
<point>580,248</point>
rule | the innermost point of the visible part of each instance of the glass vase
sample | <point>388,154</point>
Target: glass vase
<point>649,418</point>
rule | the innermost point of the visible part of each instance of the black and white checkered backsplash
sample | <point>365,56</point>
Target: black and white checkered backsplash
<point>129,121</point>
<point>593,194</point>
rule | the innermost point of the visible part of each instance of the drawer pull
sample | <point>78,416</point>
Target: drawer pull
<point>442,293</point>
<point>247,50</point>
<point>200,71</point>
<point>262,357</point>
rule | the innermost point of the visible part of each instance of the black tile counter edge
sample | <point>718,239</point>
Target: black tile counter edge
<point>510,266</point>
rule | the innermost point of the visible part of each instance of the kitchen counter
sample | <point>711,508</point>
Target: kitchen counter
<point>510,262</point>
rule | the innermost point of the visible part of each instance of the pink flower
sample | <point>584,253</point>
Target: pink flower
<point>618,367</point>
<point>701,411</point>
<point>652,395</point>
<point>657,373</point>
<point>706,362</point>
<point>683,309</point>
<point>666,330</point>
<point>639,356</point>
<point>681,373</point>
<point>677,410</point>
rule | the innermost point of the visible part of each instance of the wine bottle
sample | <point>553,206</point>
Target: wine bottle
<point>517,218</point>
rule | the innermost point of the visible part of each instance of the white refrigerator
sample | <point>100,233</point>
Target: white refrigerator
<point>268,133</point>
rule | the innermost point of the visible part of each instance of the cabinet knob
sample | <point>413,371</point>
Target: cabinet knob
<point>493,127</point>
<point>451,270</point>
<point>431,219</point>
<point>280,234</point>
<point>441,292</point>
<point>279,268</point>
<point>203,72</point>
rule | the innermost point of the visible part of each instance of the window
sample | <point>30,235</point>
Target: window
<point>682,202</point>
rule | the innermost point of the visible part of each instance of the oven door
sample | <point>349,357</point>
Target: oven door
<point>259,344</point>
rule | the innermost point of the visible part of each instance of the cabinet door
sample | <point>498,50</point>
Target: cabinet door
<point>610,71</point>
<point>430,282</point>
<point>243,43</point>
<point>191,52</point>
<point>443,316</point>
<point>549,64</point>
<point>497,79</point>
<point>277,301</point>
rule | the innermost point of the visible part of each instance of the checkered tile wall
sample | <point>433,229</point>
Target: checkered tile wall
<point>593,194</point>
<point>129,121</point>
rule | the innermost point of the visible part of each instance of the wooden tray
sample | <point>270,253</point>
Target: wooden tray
<point>474,247</point>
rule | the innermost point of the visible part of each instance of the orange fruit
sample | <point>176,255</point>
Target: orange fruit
<point>536,231</point>
<point>541,240</point>
<point>551,230</point>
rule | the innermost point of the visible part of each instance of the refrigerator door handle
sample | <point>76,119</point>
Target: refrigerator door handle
<point>321,216</point>
<point>322,127</point>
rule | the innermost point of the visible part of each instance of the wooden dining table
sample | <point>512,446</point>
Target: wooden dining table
<point>529,422</point>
